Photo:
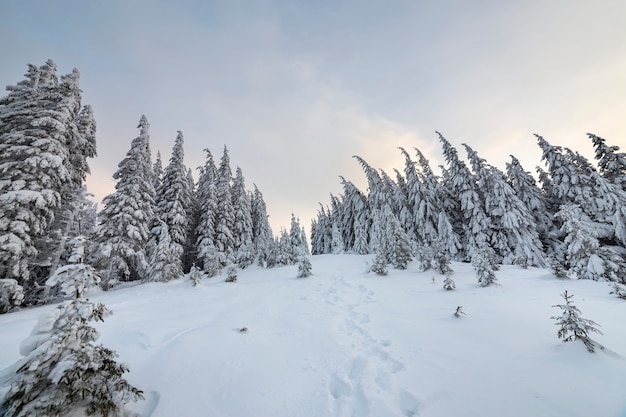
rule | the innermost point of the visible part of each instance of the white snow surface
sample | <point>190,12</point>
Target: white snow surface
<point>345,342</point>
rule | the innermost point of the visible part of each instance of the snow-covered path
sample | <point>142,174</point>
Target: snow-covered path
<point>347,343</point>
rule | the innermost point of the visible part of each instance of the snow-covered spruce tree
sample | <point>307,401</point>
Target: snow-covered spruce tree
<point>193,214</point>
<point>448,283</point>
<point>572,326</point>
<point>231,273</point>
<point>516,239</point>
<point>356,205</point>
<point>398,241</point>
<point>611,163</point>
<point>79,136</point>
<point>225,216</point>
<point>157,169</point>
<point>337,243</point>
<point>526,189</point>
<point>261,231</point>
<point>441,262</point>
<point>482,263</point>
<point>173,198</point>
<point>118,250</point>
<point>242,224</point>
<point>195,274</point>
<point>583,254</point>
<point>11,295</point>
<point>164,264</point>
<point>206,195</point>
<point>297,238</point>
<point>62,371</point>
<point>478,232</point>
<point>33,168</point>
<point>557,267</point>
<point>379,267</point>
<point>304,267</point>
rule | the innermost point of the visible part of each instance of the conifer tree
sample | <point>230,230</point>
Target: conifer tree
<point>305,267</point>
<point>173,199</point>
<point>242,224</point>
<point>206,253</point>
<point>477,225</point>
<point>120,240</point>
<point>63,372</point>
<point>165,265</point>
<point>157,170</point>
<point>516,239</point>
<point>572,326</point>
<point>261,231</point>
<point>583,254</point>
<point>337,243</point>
<point>224,221</point>
<point>611,163</point>
<point>35,166</point>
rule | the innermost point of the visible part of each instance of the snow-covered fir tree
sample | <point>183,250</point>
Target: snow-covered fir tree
<point>379,266</point>
<point>206,253</point>
<point>11,295</point>
<point>261,231</point>
<point>583,254</point>
<point>225,215</point>
<point>119,242</point>
<point>337,242</point>
<point>526,189</point>
<point>611,163</point>
<point>242,222</point>
<point>173,199</point>
<point>63,372</point>
<point>165,265</point>
<point>157,169</point>
<point>40,119</point>
<point>515,236</point>
<point>304,267</point>
<point>572,326</point>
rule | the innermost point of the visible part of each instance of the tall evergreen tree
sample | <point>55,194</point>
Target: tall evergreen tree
<point>225,216</point>
<point>120,240</point>
<point>173,199</point>
<point>39,120</point>
<point>207,258</point>
<point>261,231</point>
<point>242,222</point>
<point>515,234</point>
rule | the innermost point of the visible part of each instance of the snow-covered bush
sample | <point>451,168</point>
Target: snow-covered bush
<point>11,295</point>
<point>304,268</point>
<point>195,275</point>
<point>572,326</point>
<point>448,284</point>
<point>379,267</point>
<point>231,273</point>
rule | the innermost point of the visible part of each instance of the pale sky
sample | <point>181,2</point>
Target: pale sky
<point>295,88</point>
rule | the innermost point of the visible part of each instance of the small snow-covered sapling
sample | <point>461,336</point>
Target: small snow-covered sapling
<point>459,312</point>
<point>572,326</point>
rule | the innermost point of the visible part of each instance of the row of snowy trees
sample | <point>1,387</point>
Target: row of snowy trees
<point>154,227</point>
<point>159,222</point>
<point>573,220</point>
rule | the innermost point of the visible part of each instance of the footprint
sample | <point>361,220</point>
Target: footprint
<point>408,404</point>
<point>356,368</point>
<point>338,387</point>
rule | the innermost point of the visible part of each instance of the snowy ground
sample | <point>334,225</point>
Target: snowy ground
<point>347,343</point>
